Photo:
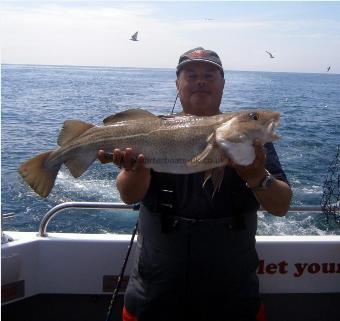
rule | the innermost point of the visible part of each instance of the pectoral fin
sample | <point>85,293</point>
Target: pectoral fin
<point>204,155</point>
<point>234,144</point>
<point>230,131</point>
<point>208,152</point>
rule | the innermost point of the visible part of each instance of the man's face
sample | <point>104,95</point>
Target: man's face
<point>200,86</point>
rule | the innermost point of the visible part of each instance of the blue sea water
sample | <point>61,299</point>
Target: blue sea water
<point>37,99</point>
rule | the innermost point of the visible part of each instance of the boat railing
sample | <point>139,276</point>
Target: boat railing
<point>121,206</point>
<point>81,205</point>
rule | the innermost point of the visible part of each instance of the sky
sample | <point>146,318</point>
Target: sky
<point>302,36</point>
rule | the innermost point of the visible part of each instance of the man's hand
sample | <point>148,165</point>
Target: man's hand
<point>276,199</point>
<point>134,180</point>
<point>123,159</point>
<point>255,172</point>
<point>104,158</point>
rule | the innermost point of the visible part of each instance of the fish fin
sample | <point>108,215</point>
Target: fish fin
<point>234,144</point>
<point>207,151</point>
<point>207,175</point>
<point>130,114</point>
<point>217,178</point>
<point>216,175</point>
<point>72,129</point>
<point>37,175</point>
<point>228,131</point>
<point>77,166</point>
<point>169,116</point>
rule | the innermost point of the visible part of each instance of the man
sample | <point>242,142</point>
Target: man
<point>195,256</point>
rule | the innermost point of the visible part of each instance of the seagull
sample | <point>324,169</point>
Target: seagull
<point>329,68</point>
<point>134,36</point>
<point>270,55</point>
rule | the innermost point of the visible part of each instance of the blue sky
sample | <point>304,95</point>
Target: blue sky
<point>303,36</point>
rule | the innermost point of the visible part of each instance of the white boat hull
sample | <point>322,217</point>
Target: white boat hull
<point>84,264</point>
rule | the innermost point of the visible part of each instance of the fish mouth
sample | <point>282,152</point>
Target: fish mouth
<point>271,127</point>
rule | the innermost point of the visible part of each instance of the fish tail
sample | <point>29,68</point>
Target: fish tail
<point>37,175</point>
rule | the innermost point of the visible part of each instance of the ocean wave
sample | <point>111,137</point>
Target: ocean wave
<point>37,99</point>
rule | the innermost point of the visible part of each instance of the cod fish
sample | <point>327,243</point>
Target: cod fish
<point>178,144</point>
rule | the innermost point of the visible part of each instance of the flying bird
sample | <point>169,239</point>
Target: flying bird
<point>134,36</point>
<point>329,68</point>
<point>270,54</point>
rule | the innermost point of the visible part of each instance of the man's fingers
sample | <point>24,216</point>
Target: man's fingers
<point>139,162</point>
<point>117,157</point>
<point>104,157</point>
<point>259,152</point>
<point>129,160</point>
<point>123,159</point>
<point>126,162</point>
<point>100,155</point>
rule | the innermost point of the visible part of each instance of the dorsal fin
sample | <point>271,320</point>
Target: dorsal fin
<point>169,116</point>
<point>71,130</point>
<point>130,114</point>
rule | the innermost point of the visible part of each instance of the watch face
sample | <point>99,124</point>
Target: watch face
<point>268,181</point>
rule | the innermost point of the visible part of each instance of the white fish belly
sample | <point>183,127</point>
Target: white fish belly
<point>240,153</point>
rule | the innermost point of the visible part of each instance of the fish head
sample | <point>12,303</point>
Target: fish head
<point>249,125</point>
<point>235,136</point>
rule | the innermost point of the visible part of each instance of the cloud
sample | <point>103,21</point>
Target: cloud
<point>40,34</point>
<point>84,33</point>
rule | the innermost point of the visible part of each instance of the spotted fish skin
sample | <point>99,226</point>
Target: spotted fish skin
<point>178,144</point>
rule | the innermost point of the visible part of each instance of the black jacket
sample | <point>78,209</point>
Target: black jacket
<point>182,265</point>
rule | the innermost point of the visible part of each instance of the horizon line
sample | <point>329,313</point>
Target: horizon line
<point>167,68</point>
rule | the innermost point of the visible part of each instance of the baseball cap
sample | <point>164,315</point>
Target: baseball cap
<point>199,54</point>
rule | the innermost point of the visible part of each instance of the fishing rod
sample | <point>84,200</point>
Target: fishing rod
<point>173,107</point>
<point>121,275</point>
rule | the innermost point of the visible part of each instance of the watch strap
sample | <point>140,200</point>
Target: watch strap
<point>264,183</point>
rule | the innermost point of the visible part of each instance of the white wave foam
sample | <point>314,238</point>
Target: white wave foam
<point>293,224</point>
<point>100,189</point>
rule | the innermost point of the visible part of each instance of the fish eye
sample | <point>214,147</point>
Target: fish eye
<point>254,116</point>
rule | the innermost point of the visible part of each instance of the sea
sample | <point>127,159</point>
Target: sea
<point>36,99</point>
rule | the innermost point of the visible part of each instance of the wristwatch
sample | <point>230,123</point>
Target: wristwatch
<point>264,184</point>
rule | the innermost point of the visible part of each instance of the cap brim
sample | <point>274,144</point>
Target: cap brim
<point>180,66</point>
